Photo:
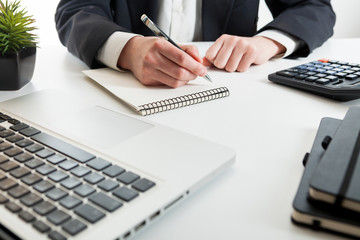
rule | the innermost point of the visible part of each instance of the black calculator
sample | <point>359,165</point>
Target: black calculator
<point>338,80</point>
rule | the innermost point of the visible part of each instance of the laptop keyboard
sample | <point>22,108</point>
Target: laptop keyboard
<point>334,79</point>
<point>57,187</point>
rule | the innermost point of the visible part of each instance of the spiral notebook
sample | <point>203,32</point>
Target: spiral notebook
<point>153,99</point>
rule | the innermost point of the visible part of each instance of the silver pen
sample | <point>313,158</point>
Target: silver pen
<point>158,32</point>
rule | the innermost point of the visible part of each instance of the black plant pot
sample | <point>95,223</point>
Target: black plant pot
<point>17,68</point>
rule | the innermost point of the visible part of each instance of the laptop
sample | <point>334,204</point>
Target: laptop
<point>73,170</point>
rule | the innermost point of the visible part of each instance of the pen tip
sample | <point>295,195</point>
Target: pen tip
<point>207,77</point>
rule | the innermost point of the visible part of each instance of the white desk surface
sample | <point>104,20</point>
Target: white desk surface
<point>270,127</point>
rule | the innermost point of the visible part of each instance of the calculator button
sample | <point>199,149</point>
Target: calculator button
<point>311,79</point>
<point>322,81</point>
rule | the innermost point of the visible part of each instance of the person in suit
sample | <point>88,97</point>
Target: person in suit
<point>110,32</point>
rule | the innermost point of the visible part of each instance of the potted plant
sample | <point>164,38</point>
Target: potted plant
<point>17,46</point>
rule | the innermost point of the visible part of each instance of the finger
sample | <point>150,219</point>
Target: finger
<point>248,58</point>
<point>206,62</point>
<point>183,59</point>
<point>234,60</point>
<point>160,78</point>
<point>193,52</point>
<point>226,52</point>
<point>213,50</point>
<point>174,70</point>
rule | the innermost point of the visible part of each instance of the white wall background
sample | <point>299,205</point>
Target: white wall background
<point>347,25</point>
<point>347,20</point>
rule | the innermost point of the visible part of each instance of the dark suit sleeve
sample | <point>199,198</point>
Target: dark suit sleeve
<point>311,21</point>
<point>83,27</point>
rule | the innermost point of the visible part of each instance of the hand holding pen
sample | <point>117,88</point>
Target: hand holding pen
<point>155,61</point>
<point>158,32</point>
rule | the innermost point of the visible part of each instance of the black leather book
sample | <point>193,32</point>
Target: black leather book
<point>336,180</point>
<point>314,214</point>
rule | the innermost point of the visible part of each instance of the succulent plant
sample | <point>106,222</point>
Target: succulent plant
<point>15,28</point>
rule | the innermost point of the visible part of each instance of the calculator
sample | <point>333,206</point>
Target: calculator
<point>334,79</point>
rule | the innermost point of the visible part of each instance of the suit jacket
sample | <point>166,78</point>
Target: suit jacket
<point>84,25</point>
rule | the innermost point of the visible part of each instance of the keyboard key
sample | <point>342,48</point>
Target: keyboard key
<point>84,190</point>
<point>89,213</point>
<point>23,157</point>
<point>44,208</point>
<point>26,216</point>
<point>93,178</point>
<point>31,179</point>
<point>18,191</point>
<point>4,146</point>
<point>44,153</point>
<point>74,227</point>
<point>63,147</point>
<point>57,176</point>
<point>24,143</point>
<point>13,207</point>
<point>20,172</point>
<point>6,133</point>
<point>30,199</point>
<point>54,235</point>
<point>8,166</point>
<point>30,131</point>
<point>56,194</point>
<point>125,194</point>
<point>105,202</point>
<point>33,148</point>
<point>58,217</point>
<point>80,171</point>
<point>113,171</point>
<point>98,164</point>
<point>19,126</point>
<point>2,176</point>
<point>143,185</point>
<point>43,186</point>
<point>3,199</point>
<point>68,164</point>
<point>41,227</point>
<point>108,185</point>
<point>55,159</point>
<point>70,202</point>
<point>13,151</point>
<point>3,159</point>
<point>7,183</point>
<point>15,138</point>
<point>34,163</point>
<point>70,183</point>
<point>45,169</point>
<point>128,177</point>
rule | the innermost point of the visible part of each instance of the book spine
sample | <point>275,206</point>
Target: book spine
<point>182,101</point>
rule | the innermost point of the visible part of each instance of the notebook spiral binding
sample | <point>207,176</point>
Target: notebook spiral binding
<point>182,101</point>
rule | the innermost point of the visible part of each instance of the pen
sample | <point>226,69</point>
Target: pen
<point>158,32</point>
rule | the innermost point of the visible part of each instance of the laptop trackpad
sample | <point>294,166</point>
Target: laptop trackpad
<point>101,127</point>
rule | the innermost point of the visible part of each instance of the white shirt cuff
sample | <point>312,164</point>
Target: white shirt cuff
<point>109,53</point>
<point>289,42</point>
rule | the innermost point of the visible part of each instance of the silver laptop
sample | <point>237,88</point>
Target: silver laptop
<point>72,170</point>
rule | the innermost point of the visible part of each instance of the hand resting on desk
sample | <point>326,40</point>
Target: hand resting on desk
<point>234,53</point>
